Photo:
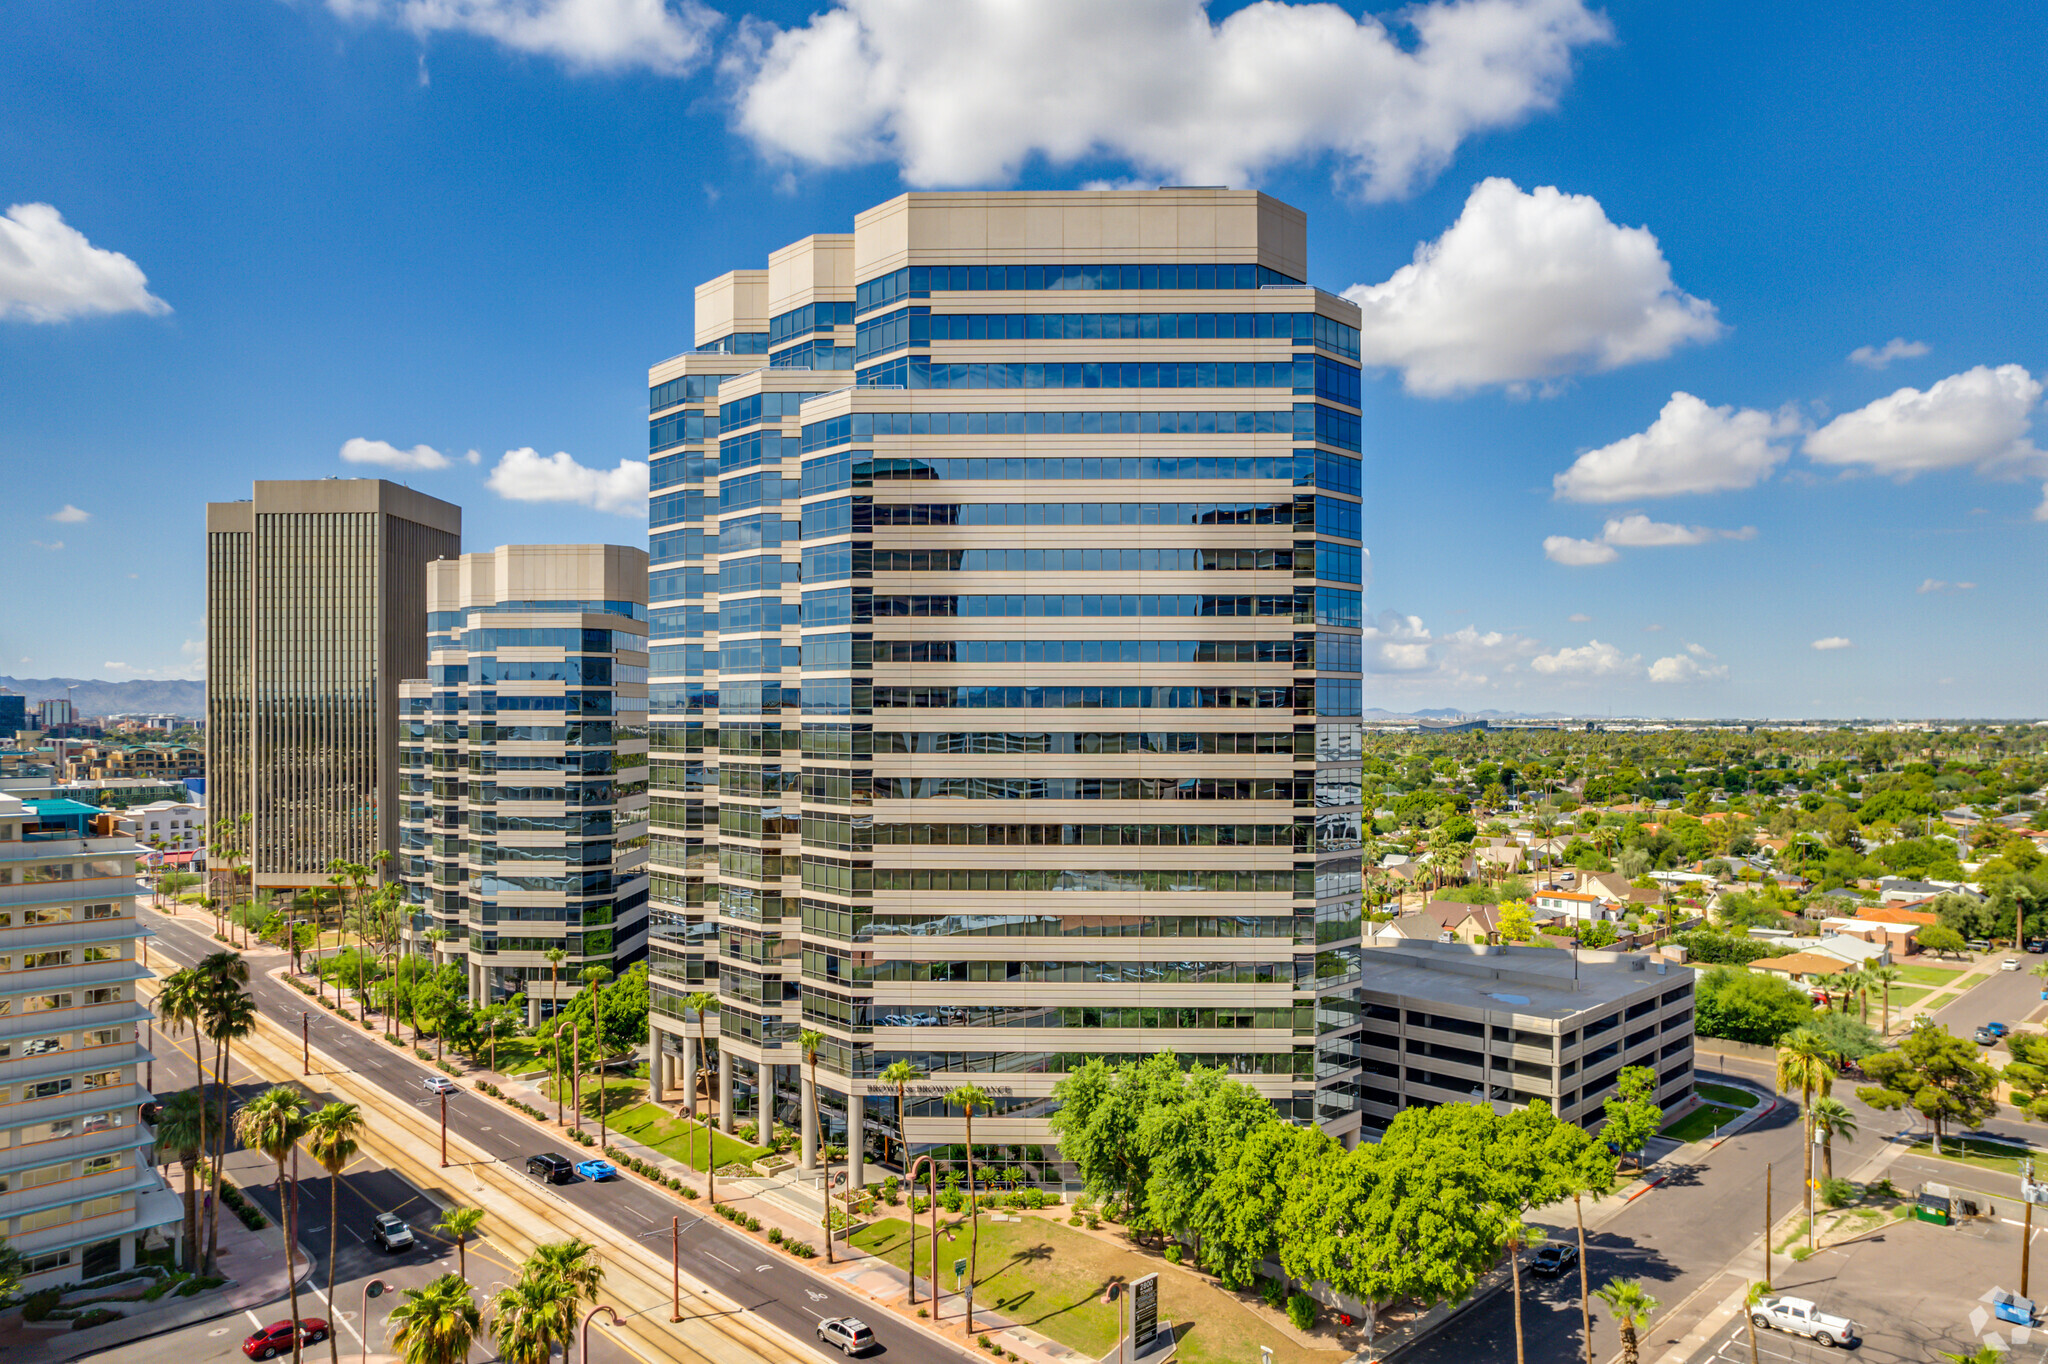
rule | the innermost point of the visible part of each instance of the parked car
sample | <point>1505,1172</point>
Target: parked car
<point>1800,1317</point>
<point>1554,1259</point>
<point>1978,945</point>
<point>390,1232</point>
<point>550,1167</point>
<point>2009,964</point>
<point>597,1168</point>
<point>1985,1037</point>
<point>438,1084</point>
<point>1997,1028</point>
<point>852,1335</point>
<point>276,1338</point>
<point>2037,945</point>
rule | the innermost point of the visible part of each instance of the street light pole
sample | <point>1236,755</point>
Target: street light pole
<point>1767,1226</point>
<point>444,1129</point>
<point>373,1289</point>
<point>617,1321</point>
<point>305,1042</point>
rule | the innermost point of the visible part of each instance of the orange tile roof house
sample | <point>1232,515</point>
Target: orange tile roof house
<point>1804,967</point>
<point>1570,903</point>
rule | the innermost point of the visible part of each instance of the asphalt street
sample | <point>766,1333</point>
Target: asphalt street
<point>712,1254</point>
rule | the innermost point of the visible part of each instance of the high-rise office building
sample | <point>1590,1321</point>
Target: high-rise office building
<point>315,609</point>
<point>1005,598</point>
<point>77,1186</point>
<point>524,769</point>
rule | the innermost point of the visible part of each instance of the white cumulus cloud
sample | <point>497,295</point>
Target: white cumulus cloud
<point>965,92</point>
<point>1526,288</point>
<point>524,475</point>
<point>49,272</point>
<point>1877,357</point>
<point>1634,531</point>
<point>1577,553</point>
<point>667,37</point>
<point>1690,448</point>
<point>386,455</point>
<point>2041,512</point>
<point>1977,419</point>
<point>1694,665</point>
<point>69,515</point>
<point>1832,642</point>
<point>1937,585</point>
<point>1403,652</point>
<point>1590,660</point>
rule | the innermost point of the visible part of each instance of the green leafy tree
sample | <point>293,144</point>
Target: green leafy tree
<point>11,1266</point>
<point>437,1324</point>
<point>1516,922</point>
<point>1237,1215</point>
<point>1188,1141</point>
<point>1942,940</point>
<point>1633,1113</point>
<point>1097,1125</point>
<point>1937,1075</point>
<point>2028,1073</point>
<point>1748,1006</point>
<point>1845,1036</point>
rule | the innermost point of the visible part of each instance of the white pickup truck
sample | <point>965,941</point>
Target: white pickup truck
<point>1802,1318</point>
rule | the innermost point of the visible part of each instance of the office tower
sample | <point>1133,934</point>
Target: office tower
<point>13,713</point>
<point>315,608</point>
<point>77,1185</point>
<point>1006,688</point>
<point>524,769</point>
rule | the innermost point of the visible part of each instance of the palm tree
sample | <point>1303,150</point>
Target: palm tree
<point>1882,978</point>
<point>460,1224</point>
<point>436,1324</point>
<point>967,1098</point>
<point>229,1015</point>
<point>337,1132</point>
<point>1592,1174</point>
<point>1983,1354</point>
<point>272,1123</point>
<point>528,1315</point>
<point>180,1001</point>
<point>1757,1293</point>
<point>1516,1236</point>
<point>701,1003</point>
<point>1632,1308</point>
<point>1832,1118</point>
<point>555,956</point>
<point>809,1043</point>
<point>900,1074</point>
<point>1807,1064</point>
<point>181,1131</point>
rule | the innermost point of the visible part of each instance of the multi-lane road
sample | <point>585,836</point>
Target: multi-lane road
<point>732,1265</point>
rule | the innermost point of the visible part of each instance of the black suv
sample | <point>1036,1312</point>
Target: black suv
<point>550,1168</point>
<point>1553,1260</point>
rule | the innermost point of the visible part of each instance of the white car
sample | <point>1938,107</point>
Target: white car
<point>2009,964</point>
<point>852,1335</point>
<point>1800,1317</point>
<point>438,1084</point>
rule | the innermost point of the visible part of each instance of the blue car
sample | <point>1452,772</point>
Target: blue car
<point>1997,1029</point>
<point>597,1169</point>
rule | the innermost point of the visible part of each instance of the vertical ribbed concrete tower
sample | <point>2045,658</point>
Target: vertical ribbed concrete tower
<point>315,609</point>
<point>1005,601</point>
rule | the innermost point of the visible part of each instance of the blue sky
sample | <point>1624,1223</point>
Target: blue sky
<point>1619,455</point>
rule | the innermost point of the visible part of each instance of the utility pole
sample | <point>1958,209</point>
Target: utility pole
<point>305,1042</point>
<point>1767,1226</point>
<point>576,1074</point>
<point>2027,1234</point>
<point>675,1269</point>
<point>444,1129</point>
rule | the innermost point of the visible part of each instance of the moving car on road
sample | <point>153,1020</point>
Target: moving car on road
<point>438,1084</point>
<point>852,1335</point>
<point>1800,1317</point>
<point>550,1167</point>
<point>276,1338</point>
<point>390,1232</point>
<point>2009,964</point>
<point>597,1168</point>
<point>1554,1259</point>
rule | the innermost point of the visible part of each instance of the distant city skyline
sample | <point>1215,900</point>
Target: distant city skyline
<point>1700,370</point>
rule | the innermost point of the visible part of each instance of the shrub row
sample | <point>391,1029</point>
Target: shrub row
<point>648,1170</point>
<point>447,1069</point>
<point>736,1217</point>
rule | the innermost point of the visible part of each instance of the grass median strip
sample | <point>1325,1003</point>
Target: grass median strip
<point>1051,1278</point>
<point>2004,1157</point>
<point>1701,1123</point>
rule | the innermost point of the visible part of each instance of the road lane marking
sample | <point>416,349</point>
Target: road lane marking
<point>727,1263</point>
<point>627,1207</point>
<point>254,1320</point>
<point>341,1317</point>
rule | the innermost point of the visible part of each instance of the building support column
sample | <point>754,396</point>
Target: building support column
<point>856,1143</point>
<point>725,1123</point>
<point>808,1126</point>
<point>689,1069</point>
<point>657,1066</point>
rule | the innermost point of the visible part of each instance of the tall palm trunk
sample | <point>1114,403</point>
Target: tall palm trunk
<point>285,1207</point>
<point>1585,1286</point>
<point>219,1159</point>
<point>333,1229</point>
<point>191,1211</point>
<point>973,1225</point>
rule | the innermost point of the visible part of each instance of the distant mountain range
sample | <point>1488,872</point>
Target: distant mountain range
<point>94,697</point>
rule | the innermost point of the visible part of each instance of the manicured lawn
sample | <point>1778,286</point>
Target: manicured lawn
<point>1050,1278</point>
<point>1985,1155</point>
<point>679,1138</point>
<point>1701,1123</point>
<point>1902,995</point>
<point>520,1055</point>
<point>619,1095</point>
<point>1727,1095</point>
<point>1925,975</point>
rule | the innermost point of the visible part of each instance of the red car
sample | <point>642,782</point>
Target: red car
<point>276,1338</point>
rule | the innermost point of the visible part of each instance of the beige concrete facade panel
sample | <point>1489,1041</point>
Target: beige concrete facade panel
<point>737,301</point>
<point>812,268</point>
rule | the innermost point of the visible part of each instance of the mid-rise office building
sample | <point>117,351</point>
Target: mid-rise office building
<point>77,1184</point>
<point>315,610</point>
<point>1005,592</point>
<point>524,768</point>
